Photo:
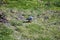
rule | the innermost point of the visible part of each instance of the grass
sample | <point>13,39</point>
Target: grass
<point>5,33</point>
<point>37,32</point>
<point>39,29</point>
<point>22,4</point>
<point>15,23</point>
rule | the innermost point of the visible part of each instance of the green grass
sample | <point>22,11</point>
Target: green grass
<point>37,32</point>
<point>5,33</point>
<point>40,28</point>
<point>22,4</point>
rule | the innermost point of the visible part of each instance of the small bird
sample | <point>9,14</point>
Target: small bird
<point>29,19</point>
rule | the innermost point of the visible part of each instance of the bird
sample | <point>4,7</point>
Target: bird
<point>29,19</point>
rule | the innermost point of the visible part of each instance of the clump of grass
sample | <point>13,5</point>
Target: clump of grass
<point>16,23</point>
<point>5,33</point>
